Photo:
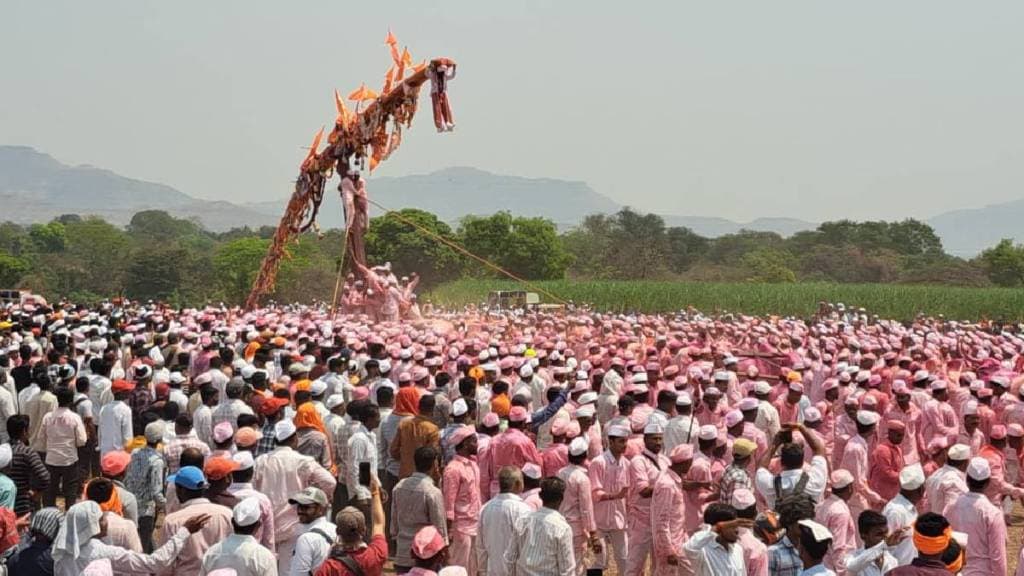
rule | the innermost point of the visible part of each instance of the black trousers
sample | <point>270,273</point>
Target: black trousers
<point>65,479</point>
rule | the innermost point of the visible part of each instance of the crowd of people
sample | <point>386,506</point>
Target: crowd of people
<point>140,439</point>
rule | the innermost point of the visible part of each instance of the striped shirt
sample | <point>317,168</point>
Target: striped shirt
<point>173,449</point>
<point>28,473</point>
<point>541,546</point>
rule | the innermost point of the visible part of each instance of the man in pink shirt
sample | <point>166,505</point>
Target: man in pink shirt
<point>644,470</point>
<point>667,513</point>
<point>755,553</point>
<point>983,522</point>
<point>697,482</point>
<point>513,447</point>
<point>609,481</point>
<point>903,410</point>
<point>532,476</point>
<point>789,405</point>
<point>834,514</point>
<point>462,498</point>
<point>995,453</point>
<point>937,417</point>
<point>190,486</point>
<point>855,461</point>
<point>712,410</point>
<point>577,505</point>
<point>887,462</point>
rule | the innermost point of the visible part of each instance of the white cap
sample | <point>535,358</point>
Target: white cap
<point>578,446</point>
<point>912,477</point>
<point>867,417</point>
<point>654,426</point>
<point>585,411</point>
<point>531,470</point>
<point>244,459</point>
<point>732,418</point>
<point>978,469</point>
<point>618,432</point>
<point>284,429</point>
<point>683,399</point>
<point>459,407</point>
<point>818,532</point>
<point>812,414</point>
<point>587,398</point>
<point>318,387</point>
<point>959,452</point>
<point>722,376</point>
<point>334,400</point>
<point>762,387</point>
<point>639,378</point>
<point>708,432</point>
<point>970,408</point>
<point>247,371</point>
<point>246,512</point>
<point>526,371</point>
<point>841,479</point>
<point>938,385</point>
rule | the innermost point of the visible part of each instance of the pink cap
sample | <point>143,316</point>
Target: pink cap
<point>796,387</point>
<point>681,453</point>
<point>900,387</point>
<point>998,432</point>
<point>360,393</point>
<point>427,543</point>
<point>558,427</point>
<point>733,418</point>
<point>460,434</point>
<point>896,425</point>
<point>572,429</point>
<point>829,384</point>
<point>490,420</point>
<point>748,403</point>
<point>420,373</point>
<point>742,499</point>
<point>517,414</point>
<point>531,470</point>
<point>223,432</point>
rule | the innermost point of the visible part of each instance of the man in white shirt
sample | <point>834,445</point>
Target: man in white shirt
<point>362,447</point>
<point>315,532</point>
<point>715,550</point>
<point>811,480</point>
<point>116,419</point>
<point>240,551</point>
<point>498,519</point>
<point>872,559</point>
<point>901,513</point>
<point>541,544</point>
<point>61,434</point>
<point>284,472</point>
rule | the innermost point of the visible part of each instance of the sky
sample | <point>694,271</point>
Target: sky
<point>809,109</point>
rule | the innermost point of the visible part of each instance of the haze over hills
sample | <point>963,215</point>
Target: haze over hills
<point>35,187</point>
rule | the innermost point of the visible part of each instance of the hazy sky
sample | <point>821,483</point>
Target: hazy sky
<point>812,109</point>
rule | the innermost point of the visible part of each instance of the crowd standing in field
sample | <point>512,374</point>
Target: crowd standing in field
<point>137,439</point>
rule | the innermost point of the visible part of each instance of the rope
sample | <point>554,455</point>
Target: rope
<point>341,270</point>
<point>462,250</point>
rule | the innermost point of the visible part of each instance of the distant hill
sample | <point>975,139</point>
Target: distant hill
<point>34,187</point>
<point>967,232</point>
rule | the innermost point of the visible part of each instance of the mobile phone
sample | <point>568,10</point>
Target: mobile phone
<point>364,474</point>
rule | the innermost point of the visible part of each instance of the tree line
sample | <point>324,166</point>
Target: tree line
<point>160,257</point>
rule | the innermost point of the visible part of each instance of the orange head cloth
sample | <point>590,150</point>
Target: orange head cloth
<point>957,565</point>
<point>932,545</point>
<point>407,401</point>
<point>476,373</point>
<point>307,417</point>
<point>113,504</point>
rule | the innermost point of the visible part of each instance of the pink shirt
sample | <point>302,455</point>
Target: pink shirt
<point>461,497</point>
<point>532,499</point>
<point>835,515</point>
<point>608,477</point>
<point>512,448</point>
<point>985,527</point>
<point>217,528</point>
<point>668,515</point>
<point>556,457</point>
<point>939,419</point>
<point>855,461</point>
<point>644,470</point>
<point>912,444</point>
<point>752,433</point>
<point>578,504</point>
<point>755,553</point>
<point>693,512</point>
<point>886,463</point>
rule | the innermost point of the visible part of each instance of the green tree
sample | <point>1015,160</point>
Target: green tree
<point>159,226</point>
<point>685,247</point>
<point>1004,263</point>
<point>391,239</point>
<point>47,238</point>
<point>12,268</point>
<point>236,264</point>
<point>156,273</point>
<point>527,247</point>
<point>94,259</point>
<point>768,265</point>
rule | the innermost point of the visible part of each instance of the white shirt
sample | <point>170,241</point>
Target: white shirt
<point>312,548</point>
<point>281,473</point>
<point>863,562</point>
<point>7,410</point>
<point>99,390</point>
<point>818,570</point>
<point>817,477</point>
<point>541,546</point>
<point>241,553</point>
<point>202,423</point>
<point>362,447</point>
<point>681,429</point>
<point>115,429</point>
<point>901,513</point>
<point>123,561</point>
<point>711,558</point>
<point>27,394</point>
<point>498,519</point>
